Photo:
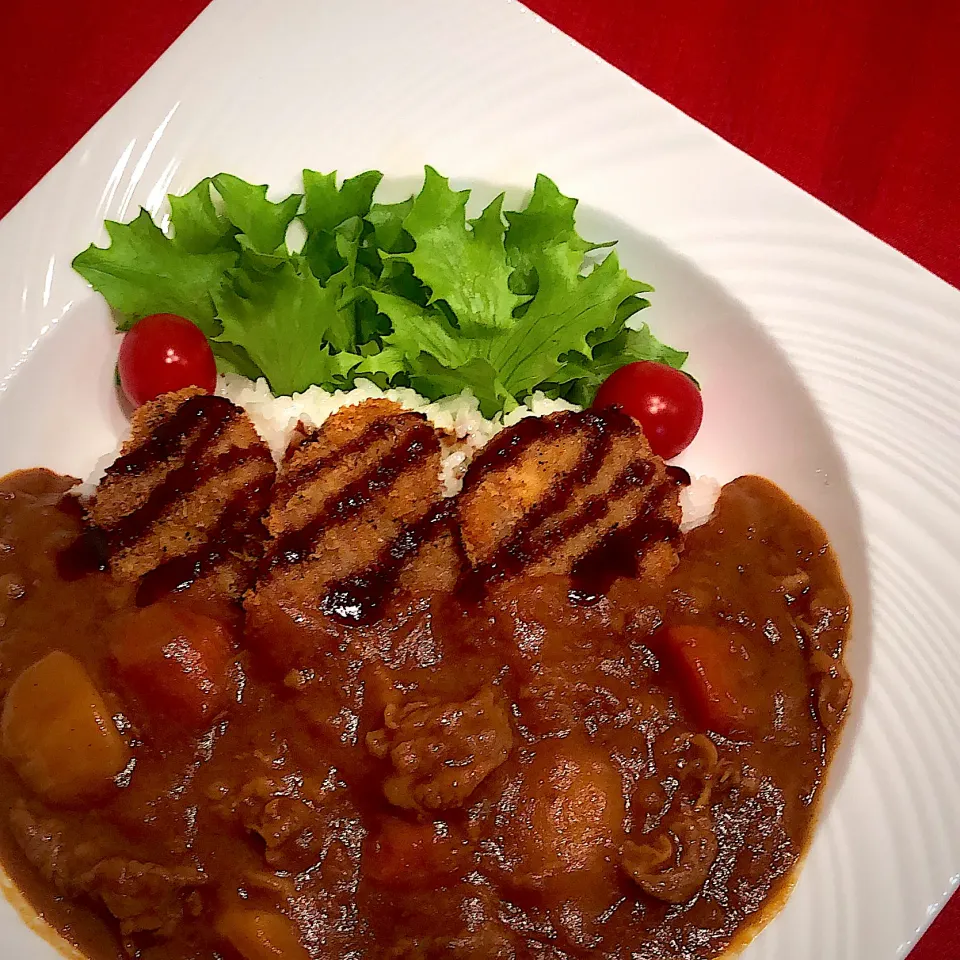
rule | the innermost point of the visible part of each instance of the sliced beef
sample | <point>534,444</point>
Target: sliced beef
<point>673,862</point>
<point>43,844</point>
<point>144,897</point>
<point>292,827</point>
<point>302,823</point>
<point>441,752</point>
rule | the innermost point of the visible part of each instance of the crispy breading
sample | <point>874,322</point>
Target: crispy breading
<point>190,485</point>
<point>545,493</point>
<point>348,501</point>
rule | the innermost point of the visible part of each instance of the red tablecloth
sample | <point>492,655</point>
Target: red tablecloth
<point>858,101</point>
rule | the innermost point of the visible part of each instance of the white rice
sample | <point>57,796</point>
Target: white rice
<point>459,417</point>
<point>697,501</point>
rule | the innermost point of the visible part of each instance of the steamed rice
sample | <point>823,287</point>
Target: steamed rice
<point>697,501</point>
<point>458,417</point>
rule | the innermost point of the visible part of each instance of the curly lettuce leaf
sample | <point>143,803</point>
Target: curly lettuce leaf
<point>326,208</point>
<point>523,340</point>
<point>566,309</point>
<point>419,329</point>
<point>233,359</point>
<point>465,265</point>
<point>410,293</point>
<point>290,327</point>
<point>386,219</point>
<point>548,218</point>
<point>198,227</point>
<point>246,206</point>
<point>581,376</point>
<point>436,380</point>
<point>143,271</point>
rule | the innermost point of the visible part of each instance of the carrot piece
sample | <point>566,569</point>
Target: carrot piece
<point>709,667</point>
<point>174,660</point>
<point>407,854</point>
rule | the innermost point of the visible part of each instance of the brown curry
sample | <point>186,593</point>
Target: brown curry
<point>517,775</point>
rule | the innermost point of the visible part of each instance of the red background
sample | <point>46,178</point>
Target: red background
<point>857,101</point>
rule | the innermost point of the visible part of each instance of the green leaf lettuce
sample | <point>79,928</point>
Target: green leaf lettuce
<point>410,293</point>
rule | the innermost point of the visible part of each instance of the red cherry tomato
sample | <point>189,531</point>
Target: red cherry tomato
<point>161,353</point>
<point>665,402</point>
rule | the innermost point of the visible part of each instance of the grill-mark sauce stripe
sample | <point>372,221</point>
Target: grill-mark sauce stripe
<point>522,546</point>
<point>359,598</point>
<point>239,529</point>
<point>297,545</point>
<point>528,542</point>
<point>504,449</point>
<point>209,415</point>
<point>619,552</point>
<point>678,475</point>
<point>511,561</point>
<point>202,419</point>
<point>178,484</point>
<point>297,479</point>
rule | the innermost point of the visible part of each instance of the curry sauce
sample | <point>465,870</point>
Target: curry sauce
<point>543,769</point>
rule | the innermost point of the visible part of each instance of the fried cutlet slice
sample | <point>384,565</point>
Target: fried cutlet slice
<point>184,500</point>
<point>356,512</point>
<point>569,494</point>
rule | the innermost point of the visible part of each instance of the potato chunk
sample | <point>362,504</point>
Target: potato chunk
<point>261,934</point>
<point>571,809</point>
<point>57,731</point>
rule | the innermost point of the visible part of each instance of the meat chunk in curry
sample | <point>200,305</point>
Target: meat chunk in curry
<point>441,753</point>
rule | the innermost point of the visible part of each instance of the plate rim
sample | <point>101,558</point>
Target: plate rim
<point>936,300</point>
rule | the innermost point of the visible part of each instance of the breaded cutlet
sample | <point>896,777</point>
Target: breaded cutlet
<point>356,511</point>
<point>184,500</point>
<point>553,495</point>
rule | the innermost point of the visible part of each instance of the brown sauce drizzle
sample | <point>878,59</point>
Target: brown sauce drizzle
<point>512,556</point>
<point>522,548</point>
<point>297,545</point>
<point>619,551</point>
<point>679,476</point>
<point>502,450</point>
<point>509,445</point>
<point>239,529</point>
<point>296,479</point>
<point>195,424</point>
<point>358,599</point>
<point>177,484</point>
<point>206,414</point>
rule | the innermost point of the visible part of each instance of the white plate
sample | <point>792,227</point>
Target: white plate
<point>801,326</point>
